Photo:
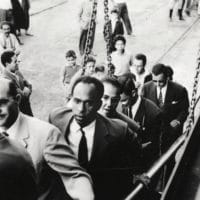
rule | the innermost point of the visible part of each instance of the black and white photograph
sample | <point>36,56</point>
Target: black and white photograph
<point>99,100</point>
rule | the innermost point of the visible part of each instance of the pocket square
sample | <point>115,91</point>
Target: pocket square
<point>174,102</point>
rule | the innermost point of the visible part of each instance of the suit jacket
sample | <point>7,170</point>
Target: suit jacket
<point>17,174</point>
<point>56,167</point>
<point>148,116</point>
<point>114,147</point>
<point>22,84</point>
<point>118,30</point>
<point>175,107</point>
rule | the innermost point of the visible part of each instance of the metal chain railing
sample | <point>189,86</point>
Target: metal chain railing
<point>107,35</point>
<point>190,119</point>
<point>178,143</point>
<point>90,33</point>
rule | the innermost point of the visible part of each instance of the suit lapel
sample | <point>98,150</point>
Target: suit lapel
<point>67,121</point>
<point>140,113</point>
<point>100,139</point>
<point>22,132</point>
<point>168,96</point>
<point>154,93</point>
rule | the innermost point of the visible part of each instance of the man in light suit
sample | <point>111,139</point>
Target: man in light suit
<point>17,174</point>
<point>103,146</point>
<point>58,173</point>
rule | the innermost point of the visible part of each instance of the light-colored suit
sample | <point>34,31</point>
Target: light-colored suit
<point>17,175</point>
<point>52,157</point>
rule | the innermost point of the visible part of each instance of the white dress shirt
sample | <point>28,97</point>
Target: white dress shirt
<point>135,107</point>
<point>163,91</point>
<point>75,136</point>
<point>5,4</point>
<point>12,130</point>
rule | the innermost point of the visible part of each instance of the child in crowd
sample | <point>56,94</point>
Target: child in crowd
<point>100,72</point>
<point>88,70</point>
<point>69,69</point>
<point>121,59</point>
<point>115,26</point>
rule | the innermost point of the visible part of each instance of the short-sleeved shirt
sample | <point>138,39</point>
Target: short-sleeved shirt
<point>68,72</point>
<point>121,62</point>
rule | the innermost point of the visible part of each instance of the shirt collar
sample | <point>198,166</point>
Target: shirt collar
<point>12,130</point>
<point>76,127</point>
<point>163,88</point>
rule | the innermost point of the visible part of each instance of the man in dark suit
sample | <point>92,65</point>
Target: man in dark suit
<point>58,173</point>
<point>172,98</point>
<point>110,101</point>
<point>104,147</point>
<point>17,174</point>
<point>146,114</point>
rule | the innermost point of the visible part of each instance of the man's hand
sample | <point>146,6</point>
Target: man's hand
<point>175,124</point>
<point>26,92</point>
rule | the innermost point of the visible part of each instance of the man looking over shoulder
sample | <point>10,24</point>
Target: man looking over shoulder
<point>58,174</point>
<point>110,101</point>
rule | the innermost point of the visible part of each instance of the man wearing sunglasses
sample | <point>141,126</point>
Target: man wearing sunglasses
<point>172,98</point>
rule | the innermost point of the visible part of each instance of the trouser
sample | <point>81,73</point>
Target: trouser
<point>123,13</point>
<point>83,39</point>
<point>6,15</point>
<point>172,4</point>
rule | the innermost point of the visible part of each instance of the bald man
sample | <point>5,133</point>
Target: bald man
<point>59,176</point>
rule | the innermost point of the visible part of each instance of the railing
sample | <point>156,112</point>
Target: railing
<point>161,161</point>
<point>157,165</point>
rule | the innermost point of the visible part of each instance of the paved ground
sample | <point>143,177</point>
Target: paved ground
<point>56,30</point>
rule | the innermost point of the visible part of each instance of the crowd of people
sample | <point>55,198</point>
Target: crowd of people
<point>116,121</point>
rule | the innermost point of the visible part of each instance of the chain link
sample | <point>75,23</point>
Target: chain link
<point>107,35</point>
<point>190,119</point>
<point>91,32</point>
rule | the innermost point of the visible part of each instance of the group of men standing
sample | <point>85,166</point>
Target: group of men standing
<point>114,128</point>
<point>94,147</point>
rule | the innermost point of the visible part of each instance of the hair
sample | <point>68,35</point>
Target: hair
<point>127,84</point>
<point>70,53</point>
<point>99,68</point>
<point>12,87</point>
<point>99,89</point>
<point>170,72</point>
<point>5,23</point>
<point>114,82</point>
<point>119,37</point>
<point>142,57</point>
<point>159,69</point>
<point>114,10</point>
<point>90,59</point>
<point>6,57</point>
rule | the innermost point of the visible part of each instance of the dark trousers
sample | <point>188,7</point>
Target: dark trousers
<point>123,13</point>
<point>6,15</point>
<point>83,39</point>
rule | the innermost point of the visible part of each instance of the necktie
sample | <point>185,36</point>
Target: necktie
<point>160,99</point>
<point>83,151</point>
